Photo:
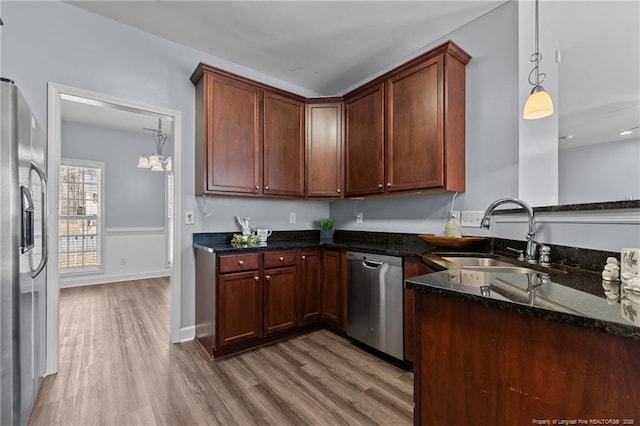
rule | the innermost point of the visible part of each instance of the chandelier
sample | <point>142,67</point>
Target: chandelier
<point>156,162</point>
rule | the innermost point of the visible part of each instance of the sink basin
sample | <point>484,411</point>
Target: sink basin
<point>467,261</point>
<point>491,264</point>
<point>502,269</point>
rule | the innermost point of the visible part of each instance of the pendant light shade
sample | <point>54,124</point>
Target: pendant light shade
<point>143,163</point>
<point>538,105</point>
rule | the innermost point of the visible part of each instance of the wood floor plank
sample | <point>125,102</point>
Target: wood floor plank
<point>118,367</point>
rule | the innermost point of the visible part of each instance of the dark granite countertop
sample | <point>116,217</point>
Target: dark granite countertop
<point>574,294</point>
<point>561,294</point>
<point>369,242</point>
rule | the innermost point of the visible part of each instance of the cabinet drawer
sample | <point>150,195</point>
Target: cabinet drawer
<point>238,262</point>
<point>275,259</point>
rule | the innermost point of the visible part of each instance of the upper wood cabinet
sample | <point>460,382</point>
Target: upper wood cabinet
<point>325,169</point>
<point>419,108</point>
<point>283,145</point>
<point>402,132</point>
<point>365,142</point>
<point>414,148</point>
<point>249,136</point>
<point>228,136</point>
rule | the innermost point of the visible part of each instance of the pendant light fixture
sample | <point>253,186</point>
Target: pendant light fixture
<point>157,162</point>
<point>539,103</point>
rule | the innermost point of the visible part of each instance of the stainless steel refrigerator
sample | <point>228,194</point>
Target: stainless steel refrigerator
<point>23,256</point>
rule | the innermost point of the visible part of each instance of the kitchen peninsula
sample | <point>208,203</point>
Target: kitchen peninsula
<point>568,355</point>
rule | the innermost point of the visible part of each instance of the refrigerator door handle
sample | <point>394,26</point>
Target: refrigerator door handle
<point>45,222</point>
<point>26,232</point>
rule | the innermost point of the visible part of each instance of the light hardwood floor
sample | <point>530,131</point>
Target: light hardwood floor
<point>118,367</point>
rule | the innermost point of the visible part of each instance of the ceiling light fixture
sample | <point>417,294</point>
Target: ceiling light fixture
<point>156,162</point>
<point>539,103</point>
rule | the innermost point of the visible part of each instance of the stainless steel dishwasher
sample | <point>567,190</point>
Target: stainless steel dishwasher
<point>374,304</point>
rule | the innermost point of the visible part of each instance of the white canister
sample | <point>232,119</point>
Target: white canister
<point>263,233</point>
<point>630,261</point>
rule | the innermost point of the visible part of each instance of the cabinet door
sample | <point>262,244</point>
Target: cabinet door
<point>332,286</point>
<point>239,307</point>
<point>283,145</point>
<point>310,294</point>
<point>232,136</point>
<point>414,147</point>
<point>324,171</point>
<point>280,299</point>
<point>365,143</point>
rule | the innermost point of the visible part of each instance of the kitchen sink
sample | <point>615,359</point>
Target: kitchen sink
<point>468,261</point>
<point>490,264</point>
<point>502,269</point>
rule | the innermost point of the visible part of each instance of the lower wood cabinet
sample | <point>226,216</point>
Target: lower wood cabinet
<point>280,299</point>
<point>334,288</point>
<point>240,307</point>
<point>247,299</point>
<point>481,365</point>
<point>413,267</point>
<point>310,286</point>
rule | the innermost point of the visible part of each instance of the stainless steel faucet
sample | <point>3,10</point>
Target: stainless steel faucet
<point>532,244</point>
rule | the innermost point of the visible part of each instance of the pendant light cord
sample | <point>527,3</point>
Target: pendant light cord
<point>536,57</point>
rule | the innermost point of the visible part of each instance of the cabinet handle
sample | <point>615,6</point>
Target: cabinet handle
<point>380,186</point>
<point>304,257</point>
<point>267,277</point>
<point>338,190</point>
<point>241,262</point>
<point>281,259</point>
<point>266,188</point>
<point>257,186</point>
<point>257,278</point>
<point>388,184</point>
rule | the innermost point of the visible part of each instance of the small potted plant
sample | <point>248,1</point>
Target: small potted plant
<point>326,229</point>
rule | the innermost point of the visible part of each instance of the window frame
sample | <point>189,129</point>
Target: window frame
<point>100,234</point>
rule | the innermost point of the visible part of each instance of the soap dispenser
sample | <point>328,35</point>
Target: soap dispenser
<point>452,229</point>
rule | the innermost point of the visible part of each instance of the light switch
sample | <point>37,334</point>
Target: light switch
<point>188,217</point>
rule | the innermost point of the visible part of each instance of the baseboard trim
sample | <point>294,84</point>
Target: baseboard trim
<point>81,281</point>
<point>187,334</point>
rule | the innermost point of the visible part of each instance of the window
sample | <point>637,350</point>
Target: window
<point>81,209</point>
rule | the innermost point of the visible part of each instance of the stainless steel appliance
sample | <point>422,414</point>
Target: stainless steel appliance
<point>375,308</point>
<point>23,256</point>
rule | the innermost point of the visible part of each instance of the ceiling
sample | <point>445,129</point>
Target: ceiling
<point>327,48</point>
<point>323,47</point>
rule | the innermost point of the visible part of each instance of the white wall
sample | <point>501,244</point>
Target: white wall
<point>134,244</point>
<point>494,150</point>
<point>600,172</point>
<point>492,113</point>
<point>53,41</point>
<point>133,197</point>
<point>128,254</point>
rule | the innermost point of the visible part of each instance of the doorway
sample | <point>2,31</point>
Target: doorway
<point>109,105</point>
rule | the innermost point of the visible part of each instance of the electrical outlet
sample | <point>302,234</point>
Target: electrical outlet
<point>471,219</point>
<point>188,217</point>
<point>292,217</point>
<point>455,215</point>
<point>359,217</point>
